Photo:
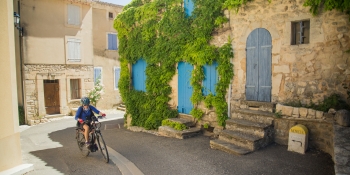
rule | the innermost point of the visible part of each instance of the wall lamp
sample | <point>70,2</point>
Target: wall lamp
<point>16,19</point>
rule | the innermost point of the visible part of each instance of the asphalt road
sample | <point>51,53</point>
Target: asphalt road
<point>156,155</point>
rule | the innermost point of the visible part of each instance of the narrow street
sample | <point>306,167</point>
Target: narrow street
<point>155,155</point>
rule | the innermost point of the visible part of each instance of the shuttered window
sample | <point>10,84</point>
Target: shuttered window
<point>300,32</point>
<point>73,46</point>
<point>112,41</point>
<point>75,89</point>
<point>116,77</point>
<point>97,74</point>
<point>210,79</point>
<point>73,14</point>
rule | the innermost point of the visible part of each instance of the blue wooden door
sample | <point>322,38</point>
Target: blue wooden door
<point>139,75</point>
<point>185,88</point>
<point>258,85</point>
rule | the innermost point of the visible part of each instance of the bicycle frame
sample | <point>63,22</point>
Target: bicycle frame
<point>95,135</point>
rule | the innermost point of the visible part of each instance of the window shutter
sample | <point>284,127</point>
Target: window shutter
<point>116,77</point>
<point>97,74</point>
<point>114,42</point>
<point>73,14</point>
<point>110,41</point>
<point>73,49</point>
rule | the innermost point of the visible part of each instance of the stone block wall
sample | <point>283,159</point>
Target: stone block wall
<point>302,72</point>
<point>319,125</point>
<point>34,86</point>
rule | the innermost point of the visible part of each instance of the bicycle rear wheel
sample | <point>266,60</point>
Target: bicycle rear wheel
<point>102,146</point>
<point>81,144</point>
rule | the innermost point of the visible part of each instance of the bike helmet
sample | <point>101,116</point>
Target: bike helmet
<point>85,101</point>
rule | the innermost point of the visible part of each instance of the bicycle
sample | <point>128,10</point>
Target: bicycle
<point>94,135</point>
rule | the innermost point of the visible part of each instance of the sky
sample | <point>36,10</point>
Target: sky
<point>119,2</point>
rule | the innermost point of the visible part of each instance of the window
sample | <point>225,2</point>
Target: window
<point>73,14</point>
<point>188,6</point>
<point>210,78</point>
<point>110,15</point>
<point>73,47</point>
<point>139,75</point>
<point>75,89</point>
<point>300,32</point>
<point>116,77</point>
<point>97,74</point>
<point>112,41</point>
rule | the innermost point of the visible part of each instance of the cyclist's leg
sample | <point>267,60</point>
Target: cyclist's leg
<point>86,131</point>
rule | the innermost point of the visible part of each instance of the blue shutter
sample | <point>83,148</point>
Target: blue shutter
<point>97,74</point>
<point>189,7</point>
<point>210,78</point>
<point>139,75</point>
<point>110,41</point>
<point>116,77</point>
<point>115,43</point>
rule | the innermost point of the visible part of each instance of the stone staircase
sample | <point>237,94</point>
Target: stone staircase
<point>249,129</point>
<point>121,107</point>
<point>191,130</point>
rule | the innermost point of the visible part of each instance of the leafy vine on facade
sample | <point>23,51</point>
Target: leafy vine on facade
<point>159,32</point>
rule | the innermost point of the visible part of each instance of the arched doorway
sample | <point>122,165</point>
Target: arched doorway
<point>259,47</point>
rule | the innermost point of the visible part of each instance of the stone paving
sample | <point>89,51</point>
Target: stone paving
<point>341,150</point>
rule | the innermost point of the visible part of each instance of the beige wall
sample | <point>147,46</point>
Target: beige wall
<point>104,58</point>
<point>10,149</point>
<point>46,28</point>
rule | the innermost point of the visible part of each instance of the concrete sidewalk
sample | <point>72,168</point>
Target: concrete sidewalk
<point>35,138</point>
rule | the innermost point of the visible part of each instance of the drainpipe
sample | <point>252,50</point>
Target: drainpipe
<point>230,86</point>
<point>21,64</point>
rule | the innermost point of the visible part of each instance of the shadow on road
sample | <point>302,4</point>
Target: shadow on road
<point>69,160</point>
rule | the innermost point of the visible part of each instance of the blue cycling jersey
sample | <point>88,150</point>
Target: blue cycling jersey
<point>84,114</point>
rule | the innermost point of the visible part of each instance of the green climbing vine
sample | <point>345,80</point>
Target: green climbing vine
<point>158,32</point>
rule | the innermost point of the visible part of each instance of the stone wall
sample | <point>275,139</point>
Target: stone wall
<point>34,86</point>
<point>320,132</point>
<point>299,72</point>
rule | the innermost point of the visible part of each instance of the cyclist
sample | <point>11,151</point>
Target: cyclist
<point>85,115</point>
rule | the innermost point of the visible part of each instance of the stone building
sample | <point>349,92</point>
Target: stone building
<point>65,46</point>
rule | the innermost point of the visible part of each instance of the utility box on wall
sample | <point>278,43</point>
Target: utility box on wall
<point>298,139</point>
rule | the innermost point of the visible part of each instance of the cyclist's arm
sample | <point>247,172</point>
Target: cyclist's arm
<point>96,110</point>
<point>78,113</point>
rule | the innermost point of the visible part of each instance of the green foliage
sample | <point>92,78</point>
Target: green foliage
<point>159,32</point>
<point>21,115</point>
<point>175,125</point>
<point>333,101</point>
<point>328,5</point>
<point>206,125</point>
<point>197,113</point>
<point>278,114</point>
<point>95,94</point>
<point>234,4</point>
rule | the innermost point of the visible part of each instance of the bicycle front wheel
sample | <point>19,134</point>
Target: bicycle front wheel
<point>81,144</point>
<point>102,146</point>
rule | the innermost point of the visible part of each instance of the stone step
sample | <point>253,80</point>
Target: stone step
<point>228,147</point>
<point>246,126</point>
<point>187,117</point>
<point>54,116</point>
<point>248,141</point>
<point>168,131</point>
<point>121,108</point>
<point>186,122</point>
<point>258,105</point>
<point>254,116</point>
